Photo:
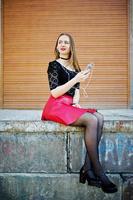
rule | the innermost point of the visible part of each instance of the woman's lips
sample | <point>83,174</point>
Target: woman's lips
<point>63,49</point>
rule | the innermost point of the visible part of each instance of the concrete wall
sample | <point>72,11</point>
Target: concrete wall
<point>41,161</point>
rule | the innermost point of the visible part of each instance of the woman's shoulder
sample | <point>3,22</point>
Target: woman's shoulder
<point>53,65</point>
<point>53,62</point>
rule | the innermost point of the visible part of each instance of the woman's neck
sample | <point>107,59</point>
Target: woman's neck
<point>63,58</point>
<point>66,63</point>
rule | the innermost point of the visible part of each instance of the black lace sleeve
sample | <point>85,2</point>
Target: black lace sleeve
<point>53,76</point>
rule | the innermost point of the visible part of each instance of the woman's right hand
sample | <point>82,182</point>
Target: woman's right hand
<point>82,76</point>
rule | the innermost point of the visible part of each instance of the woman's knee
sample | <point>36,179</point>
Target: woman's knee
<point>90,120</point>
<point>100,118</point>
<point>93,121</point>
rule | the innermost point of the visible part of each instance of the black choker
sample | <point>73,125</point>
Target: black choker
<point>65,58</point>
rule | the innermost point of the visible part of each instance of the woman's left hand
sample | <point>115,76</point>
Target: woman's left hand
<point>76,105</point>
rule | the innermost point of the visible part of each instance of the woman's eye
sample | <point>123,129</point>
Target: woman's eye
<point>66,42</point>
<point>59,42</point>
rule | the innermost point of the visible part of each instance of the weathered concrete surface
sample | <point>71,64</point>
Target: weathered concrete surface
<point>32,146</point>
<point>22,152</point>
<point>51,150</point>
<point>123,126</point>
<point>116,152</point>
<point>52,187</point>
<point>55,153</point>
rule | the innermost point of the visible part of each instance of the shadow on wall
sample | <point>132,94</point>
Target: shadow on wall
<point>128,189</point>
<point>4,195</point>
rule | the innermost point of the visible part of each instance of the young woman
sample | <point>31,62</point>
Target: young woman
<point>65,75</point>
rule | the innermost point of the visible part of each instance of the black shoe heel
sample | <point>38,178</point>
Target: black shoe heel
<point>89,177</point>
<point>82,177</point>
<point>82,180</point>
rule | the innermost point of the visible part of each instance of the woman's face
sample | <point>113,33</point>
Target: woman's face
<point>63,45</point>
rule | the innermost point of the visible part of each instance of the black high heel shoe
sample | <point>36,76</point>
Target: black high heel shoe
<point>106,185</point>
<point>89,177</point>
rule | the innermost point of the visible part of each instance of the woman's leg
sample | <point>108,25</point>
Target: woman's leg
<point>91,138</point>
<point>91,141</point>
<point>100,118</point>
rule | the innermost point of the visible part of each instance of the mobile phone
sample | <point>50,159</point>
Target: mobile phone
<point>89,66</point>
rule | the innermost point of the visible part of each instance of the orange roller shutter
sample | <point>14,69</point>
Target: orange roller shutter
<point>100,30</point>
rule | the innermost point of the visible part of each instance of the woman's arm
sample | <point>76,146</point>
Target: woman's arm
<point>58,90</point>
<point>62,89</point>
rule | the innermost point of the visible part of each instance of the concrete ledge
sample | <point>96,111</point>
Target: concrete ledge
<point>35,115</point>
<point>29,121</point>
<point>41,126</point>
<point>45,146</point>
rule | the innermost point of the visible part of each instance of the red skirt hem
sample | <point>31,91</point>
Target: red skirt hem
<point>61,110</point>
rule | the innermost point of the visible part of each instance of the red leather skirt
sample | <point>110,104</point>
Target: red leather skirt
<point>61,110</point>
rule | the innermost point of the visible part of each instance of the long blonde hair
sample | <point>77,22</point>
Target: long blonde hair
<point>72,55</point>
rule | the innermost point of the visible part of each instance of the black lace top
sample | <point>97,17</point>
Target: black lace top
<point>59,75</point>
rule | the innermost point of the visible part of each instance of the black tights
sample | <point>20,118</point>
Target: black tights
<point>93,131</point>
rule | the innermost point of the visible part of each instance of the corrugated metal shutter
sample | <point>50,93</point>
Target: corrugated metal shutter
<point>1,64</point>
<point>100,30</point>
